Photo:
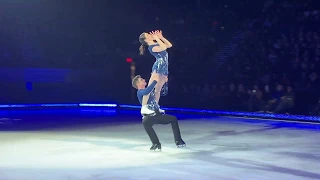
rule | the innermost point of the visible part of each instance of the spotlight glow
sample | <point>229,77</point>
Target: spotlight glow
<point>36,105</point>
<point>97,105</point>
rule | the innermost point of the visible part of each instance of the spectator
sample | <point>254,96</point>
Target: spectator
<point>286,102</point>
<point>255,99</point>
<point>276,97</point>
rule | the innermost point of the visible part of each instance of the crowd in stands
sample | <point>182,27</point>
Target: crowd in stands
<point>275,70</point>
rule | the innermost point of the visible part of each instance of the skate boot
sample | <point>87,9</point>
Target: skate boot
<point>180,143</point>
<point>154,147</point>
<point>162,111</point>
<point>145,111</point>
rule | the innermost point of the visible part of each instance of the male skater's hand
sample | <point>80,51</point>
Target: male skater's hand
<point>157,78</point>
<point>166,79</point>
<point>154,77</point>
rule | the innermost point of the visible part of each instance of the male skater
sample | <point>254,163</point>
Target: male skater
<point>156,118</point>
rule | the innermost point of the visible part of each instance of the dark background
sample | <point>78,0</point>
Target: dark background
<point>63,51</point>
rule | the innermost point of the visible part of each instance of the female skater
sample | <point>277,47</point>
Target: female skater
<point>157,46</point>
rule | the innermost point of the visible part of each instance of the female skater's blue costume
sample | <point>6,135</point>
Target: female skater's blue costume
<point>161,66</point>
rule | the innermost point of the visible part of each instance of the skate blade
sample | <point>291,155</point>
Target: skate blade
<point>156,150</point>
<point>152,114</point>
<point>181,146</point>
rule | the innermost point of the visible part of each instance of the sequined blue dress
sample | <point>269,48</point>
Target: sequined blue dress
<point>161,66</point>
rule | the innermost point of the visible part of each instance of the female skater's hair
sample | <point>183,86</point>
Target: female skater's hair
<point>142,48</point>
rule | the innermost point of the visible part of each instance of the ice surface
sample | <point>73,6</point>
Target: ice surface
<point>216,149</point>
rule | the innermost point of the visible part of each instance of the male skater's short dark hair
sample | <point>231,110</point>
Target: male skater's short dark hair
<point>135,80</point>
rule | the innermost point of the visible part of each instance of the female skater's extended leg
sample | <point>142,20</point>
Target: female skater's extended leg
<point>159,86</point>
<point>144,109</point>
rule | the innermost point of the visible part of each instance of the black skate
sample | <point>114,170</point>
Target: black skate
<point>154,147</point>
<point>180,143</point>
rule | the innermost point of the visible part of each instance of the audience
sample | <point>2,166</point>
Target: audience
<point>282,52</point>
<point>271,63</point>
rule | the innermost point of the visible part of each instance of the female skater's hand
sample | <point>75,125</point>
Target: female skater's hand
<point>159,33</point>
<point>154,35</point>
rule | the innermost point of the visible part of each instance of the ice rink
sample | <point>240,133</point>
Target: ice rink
<point>115,146</point>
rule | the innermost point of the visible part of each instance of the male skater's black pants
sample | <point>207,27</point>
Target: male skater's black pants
<point>149,121</point>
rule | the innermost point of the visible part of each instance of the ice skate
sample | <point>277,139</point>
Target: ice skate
<point>145,111</point>
<point>154,147</point>
<point>180,143</point>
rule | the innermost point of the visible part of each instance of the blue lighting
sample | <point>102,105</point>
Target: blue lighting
<point>36,105</point>
<point>56,105</point>
<point>29,86</point>
<point>97,105</point>
<point>212,112</point>
<point>234,113</point>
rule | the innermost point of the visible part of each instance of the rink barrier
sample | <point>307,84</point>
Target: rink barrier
<point>173,109</point>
